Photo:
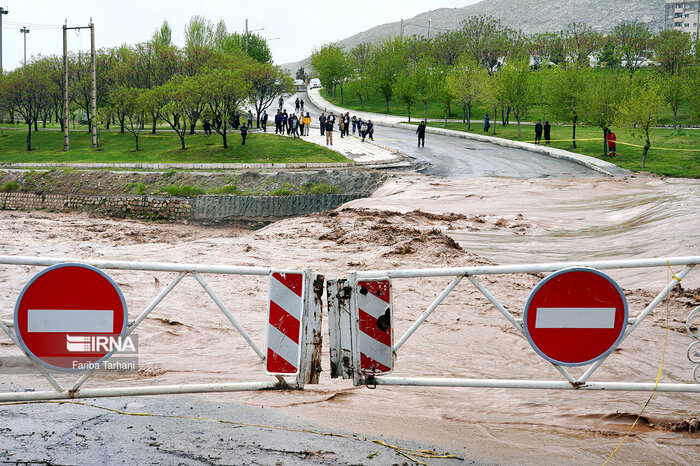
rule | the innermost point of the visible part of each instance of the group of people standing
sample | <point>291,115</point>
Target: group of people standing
<point>345,122</point>
<point>546,129</point>
<point>292,124</point>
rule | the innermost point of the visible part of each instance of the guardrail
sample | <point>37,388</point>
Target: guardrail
<point>309,338</point>
<point>367,356</point>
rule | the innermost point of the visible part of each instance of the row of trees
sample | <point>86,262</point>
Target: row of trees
<point>213,76</point>
<point>487,64</point>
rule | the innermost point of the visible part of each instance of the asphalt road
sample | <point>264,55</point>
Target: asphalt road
<point>461,158</point>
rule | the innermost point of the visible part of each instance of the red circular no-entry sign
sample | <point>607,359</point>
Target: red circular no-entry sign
<point>68,316</point>
<point>575,316</point>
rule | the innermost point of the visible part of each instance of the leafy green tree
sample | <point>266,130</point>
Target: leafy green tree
<point>641,106</point>
<point>360,60</point>
<point>225,90</point>
<point>608,56</point>
<point>173,100</point>
<point>547,47</point>
<point>581,41</point>
<point>267,82</point>
<point>255,46</point>
<point>673,50</point>
<point>518,89</point>
<point>466,83</point>
<point>27,91</point>
<point>405,90</point>
<point>199,32</point>
<point>388,59</point>
<point>633,41</point>
<point>333,67</point>
<point>425,82</point>
<point>692,92</point>
<point>486,40</point>
<point>602,100</point>
<point>163,36</point>
<point>301,74</point>
<point>131,103</point>
<point>566,93</point>
<point>674,89</point>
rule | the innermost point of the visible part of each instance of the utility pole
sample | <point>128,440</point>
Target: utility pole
<point>697,28</point>
<point>402,28</point>
<point>25,31</point>
<point>93,82</point>
<point>428,29</point>
<point>246,35</point>
<point>93,79</point>
<point>2,12</point>
<point>66,117</point>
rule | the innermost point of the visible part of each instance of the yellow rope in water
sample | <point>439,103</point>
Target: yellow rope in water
<point>658,376</point>
<point>405,452</point>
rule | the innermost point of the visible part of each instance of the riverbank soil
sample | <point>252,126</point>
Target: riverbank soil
<point>415,222</point>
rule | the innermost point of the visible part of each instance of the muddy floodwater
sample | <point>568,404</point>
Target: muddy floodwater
<point>414,222</point>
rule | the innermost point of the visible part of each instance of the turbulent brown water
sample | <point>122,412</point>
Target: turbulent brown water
<point>186,339</point>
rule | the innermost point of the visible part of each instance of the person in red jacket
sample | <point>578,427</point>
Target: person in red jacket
<point>612,145</point>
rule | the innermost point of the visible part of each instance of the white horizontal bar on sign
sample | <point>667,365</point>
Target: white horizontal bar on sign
<point>70,320</point>
<point>575,317</point>
<point>144,266</point>
<point>527,268</point>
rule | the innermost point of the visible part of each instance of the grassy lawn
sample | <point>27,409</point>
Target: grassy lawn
<point>160,148</point>
<point>660,160</point>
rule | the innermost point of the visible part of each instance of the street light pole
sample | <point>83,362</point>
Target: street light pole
<point>25,31</point>
<point>2,12</point>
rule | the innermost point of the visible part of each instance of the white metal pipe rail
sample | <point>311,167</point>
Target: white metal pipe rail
<point>7,326</point>
<point>571,383</point>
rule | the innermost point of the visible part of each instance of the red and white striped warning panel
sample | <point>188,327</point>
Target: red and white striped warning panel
<point>376,336</point>
<point>284,318</point>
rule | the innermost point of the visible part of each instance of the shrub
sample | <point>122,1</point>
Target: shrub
<point>9,186</point>
<point>281,192</point>
<point>320,188</point>
<point>183,190</point>
<point>229,189</point>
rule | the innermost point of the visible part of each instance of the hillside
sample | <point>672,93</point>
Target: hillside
<point>528,15</point>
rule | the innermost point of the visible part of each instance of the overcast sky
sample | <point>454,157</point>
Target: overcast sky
<point>300,25</point>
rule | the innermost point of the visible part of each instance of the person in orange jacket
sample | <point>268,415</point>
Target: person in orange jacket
<point>612,144</point>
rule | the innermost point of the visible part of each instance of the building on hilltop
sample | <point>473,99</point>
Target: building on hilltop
<point>682,16</point>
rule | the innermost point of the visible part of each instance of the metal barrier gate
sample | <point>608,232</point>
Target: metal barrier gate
<point>305,298</point>
<point>361,324</point>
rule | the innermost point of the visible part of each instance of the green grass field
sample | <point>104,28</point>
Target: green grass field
<point>162,147</point>
<point>673,152</point>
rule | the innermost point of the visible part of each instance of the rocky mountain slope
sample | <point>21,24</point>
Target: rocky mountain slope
<point>530,16</point>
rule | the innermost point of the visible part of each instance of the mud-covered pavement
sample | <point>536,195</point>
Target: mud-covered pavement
<point>460,223</point>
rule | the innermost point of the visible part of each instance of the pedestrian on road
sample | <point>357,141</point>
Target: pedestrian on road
<point>346,123</point>
<point>612,144</point>
<point>250,120</point>
<point>296,105</point>
<point>341,122</point>
<point>354,124</point>
<point>307,123</point>
<point>487,123</point>
<point>547,132</point>
<point>329,131</point>
<point>281,102</point>
<point>421,133</point>
<point>263,120</point>
<point>301,125</point>
<point>244,133</point>
<point>294,123</point>
<point>285,119</point>
<point>278,122</point>
<point>369,131</point>
<point>359,126</point>
<point>538,131</point>
<point>301,105</point>
<point>206,126</point>
<point>322,122</point>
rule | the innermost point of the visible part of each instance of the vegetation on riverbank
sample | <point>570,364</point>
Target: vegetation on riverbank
<point>163,147</point>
